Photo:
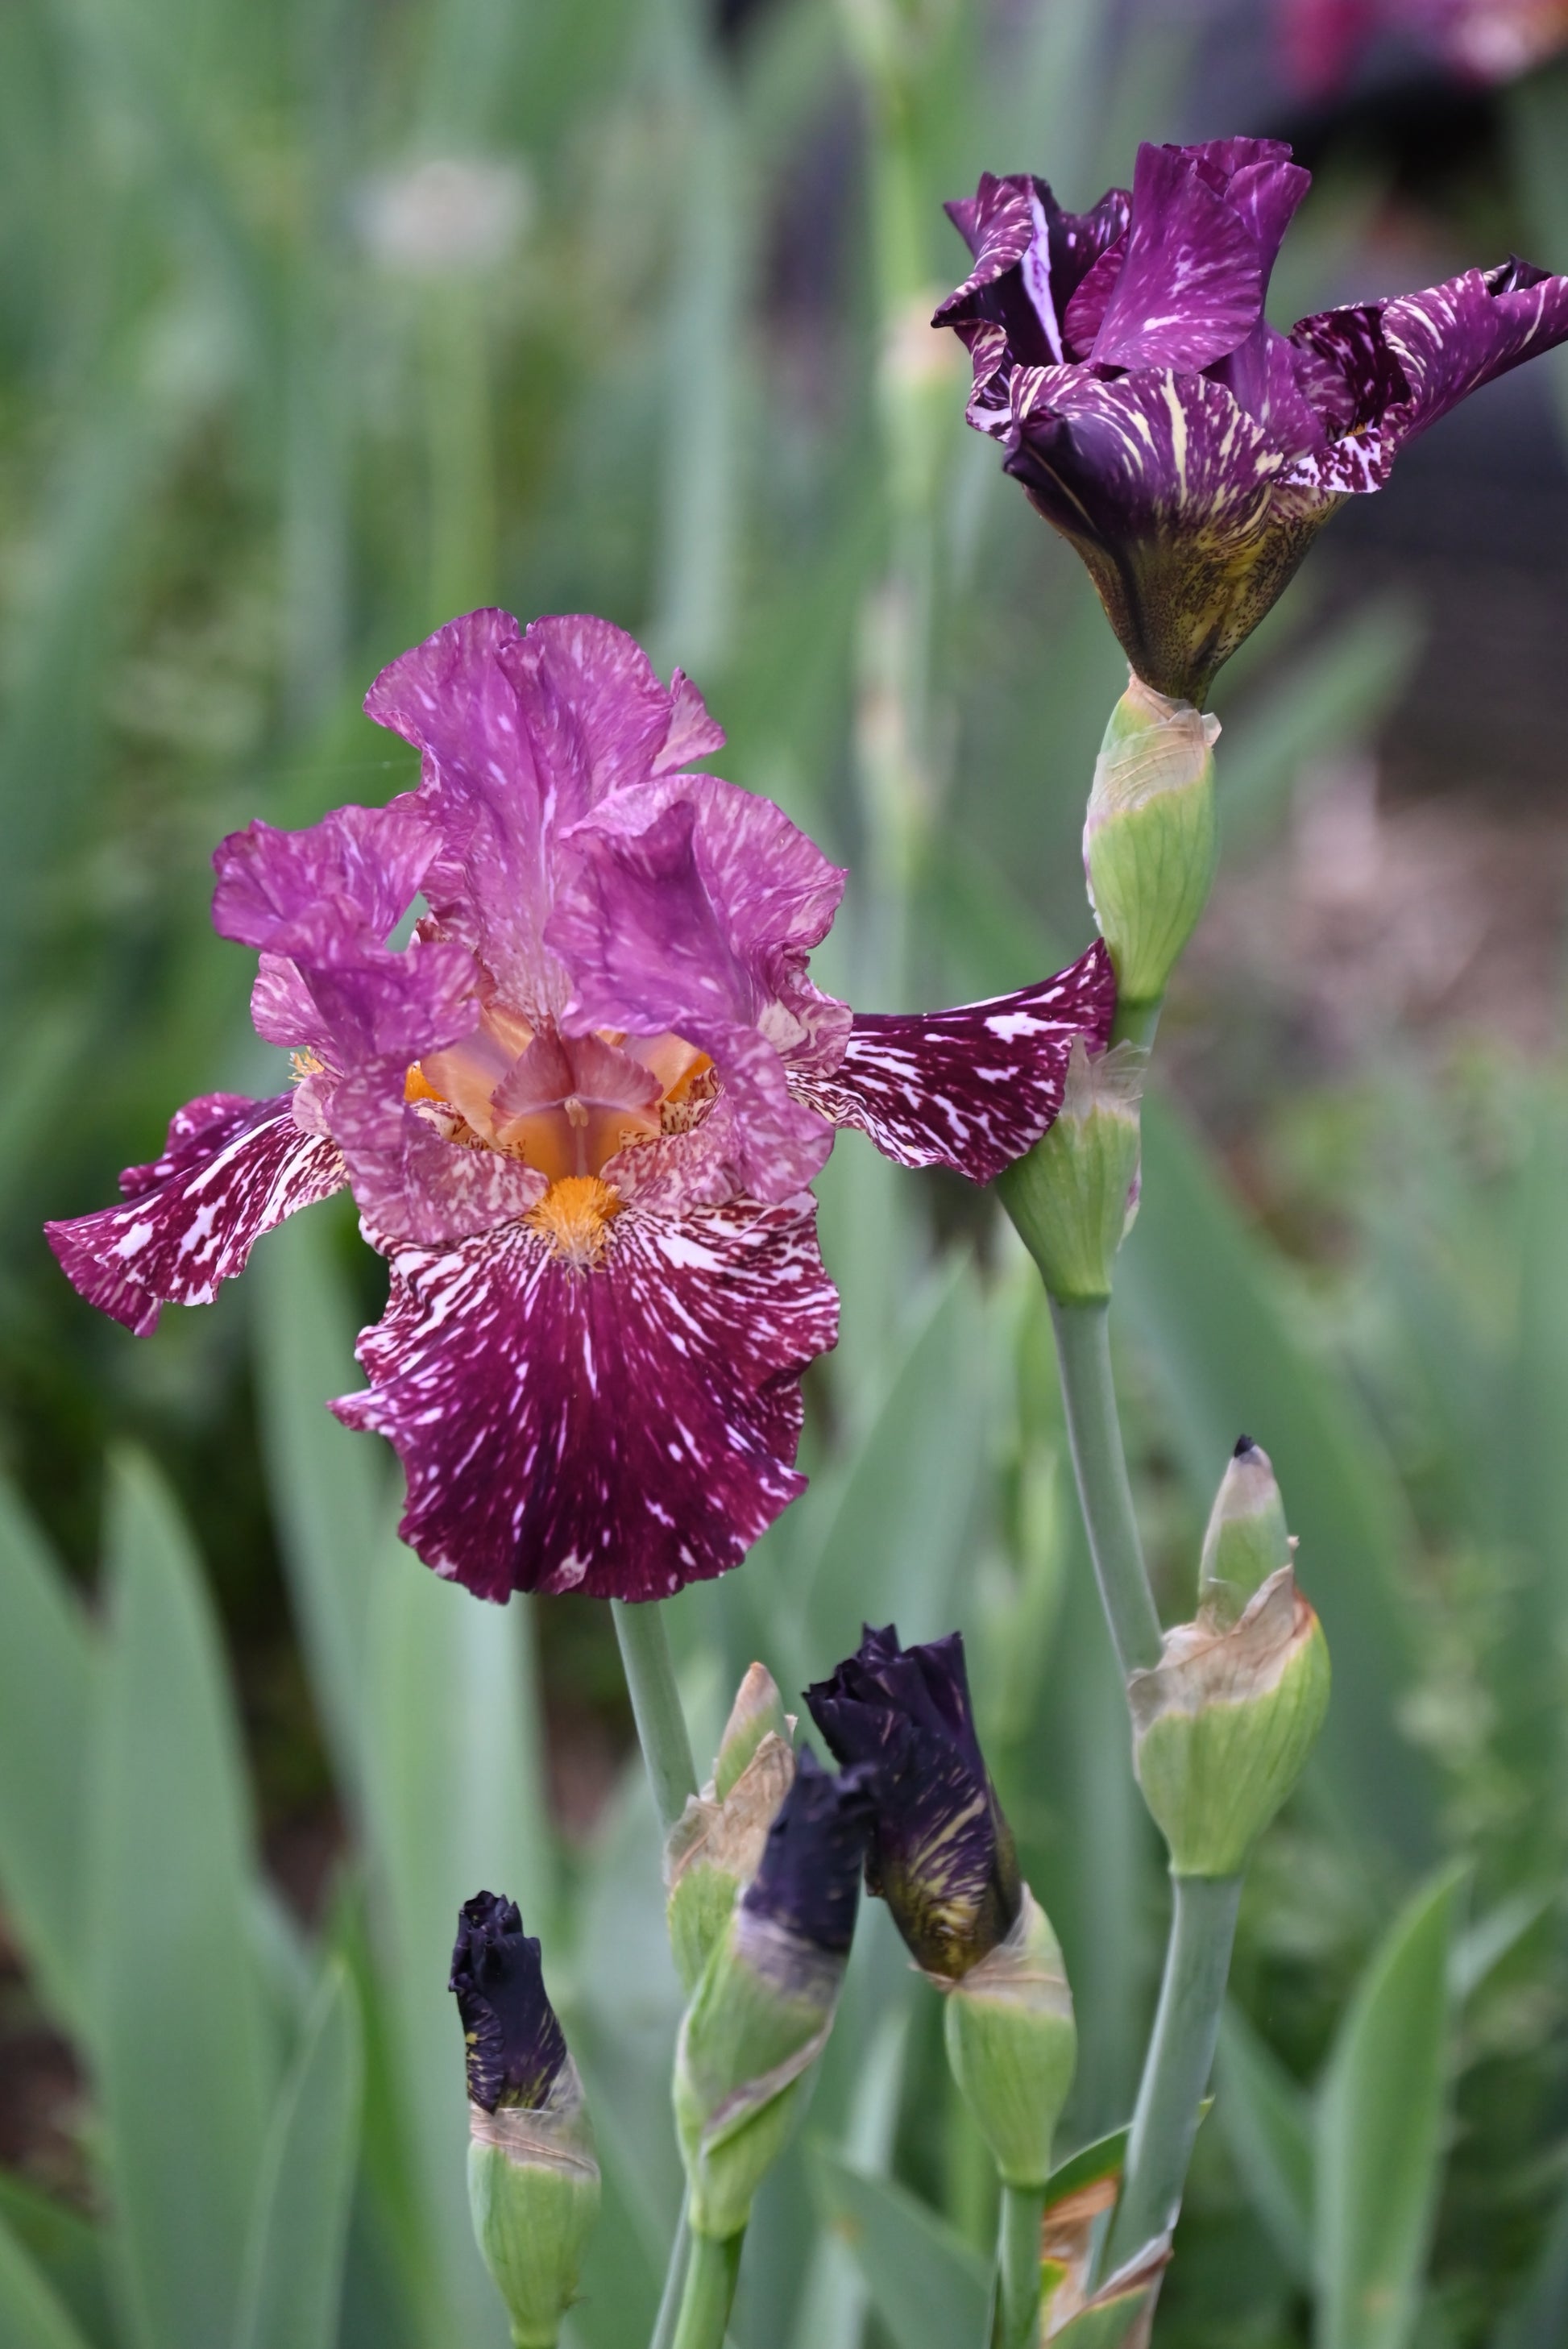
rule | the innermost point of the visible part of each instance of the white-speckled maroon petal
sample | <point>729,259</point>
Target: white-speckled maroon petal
<point>622,1429</point>
<point>231,1169</point>
<point>971,1089</point>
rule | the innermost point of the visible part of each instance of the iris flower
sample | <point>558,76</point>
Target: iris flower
<point>942,1853</point>
<point>1482,40</point>
<point>579,1111</point>
<point>1187,449</point>
<point>514,2046</point>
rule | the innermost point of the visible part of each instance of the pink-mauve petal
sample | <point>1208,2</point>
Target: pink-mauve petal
<point>283,1008</point>
<point>322,894</point>
<point>408,1178</point>
<point>522,732</point>
<point>397,1006</point>
<point>230,1170</point>
<point>1192,285</point>
<point>691,734</point>
<point>971,1089</point>
<point>648,948</point>
<point>622,1429</point>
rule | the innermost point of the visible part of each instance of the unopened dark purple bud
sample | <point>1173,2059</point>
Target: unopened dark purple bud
<point>941,1852</point>
<point>809,1879</point>
<point>514,2044</point>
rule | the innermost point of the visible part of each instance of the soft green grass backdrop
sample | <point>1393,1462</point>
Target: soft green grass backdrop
<point>321,320</point>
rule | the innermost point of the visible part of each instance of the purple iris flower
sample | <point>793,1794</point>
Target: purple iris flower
<point>808,1878</point>
<point>514,2044</point>
<point>579,1112</point>
<point>941,1852</point>
<point>1188,450</point>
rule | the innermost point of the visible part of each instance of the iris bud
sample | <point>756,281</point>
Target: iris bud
<point>764,2007</point>
<point>1151,836</point>
<point>533,2180</point>
<point>715,1847</point>
<point>1222,1725</point>
<point>1073,1196</point>
<point>1012,2044</point>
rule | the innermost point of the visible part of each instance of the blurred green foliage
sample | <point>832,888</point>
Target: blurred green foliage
<point>321,320</point>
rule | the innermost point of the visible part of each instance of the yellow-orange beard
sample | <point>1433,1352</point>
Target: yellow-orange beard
<point>574,1216</point>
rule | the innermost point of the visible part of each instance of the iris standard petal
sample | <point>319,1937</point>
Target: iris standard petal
<point>230,1170</point>
<point>1190,283</point>
<point>971,1089</point>
<point>598,1398</point>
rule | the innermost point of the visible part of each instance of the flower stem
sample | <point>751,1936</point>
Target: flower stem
<point>1181,2058</point>
<point>664,2330</point>
<point>709,2290</point>
<point>1135,1023</point>
<point>1094,1432</point>
<point>1018,2267</point>
<point>655,1706</point>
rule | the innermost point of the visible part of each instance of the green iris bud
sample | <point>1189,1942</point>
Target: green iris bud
<point>1012,2044</point>
<point>533,2191</point>
<point>1151,836</point>
<point>765,2005</point>
<point>1222,1725</point>
<point>716,1845</point>
<point>1074,1195</point>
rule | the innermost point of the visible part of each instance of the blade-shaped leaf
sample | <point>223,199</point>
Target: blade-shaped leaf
<point>183,2061</point>
<point>1380,2142</point>
<point>1267,2123</point>
<point>46,1690</point>
<point>1539,2318</point>
<point>32,2314</point>
<point>929,2290</point>
<point>293,2279</point>
<point>66,2249</point>
<point>326,1483</point>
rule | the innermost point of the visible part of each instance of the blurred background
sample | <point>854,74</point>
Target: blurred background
<point>323,320</point>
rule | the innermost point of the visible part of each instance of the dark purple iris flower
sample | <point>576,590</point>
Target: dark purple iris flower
<point>514,2044</point>
<point>1481,40</point>
<point>578,1112</point>
<point>1188,450</point>
<point>808,1878</point>
<point>941,1851</point>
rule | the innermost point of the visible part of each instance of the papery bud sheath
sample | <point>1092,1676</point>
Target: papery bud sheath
<point>1151,836</point>
<point>1012,2044</point>
<point>1073,1196</point>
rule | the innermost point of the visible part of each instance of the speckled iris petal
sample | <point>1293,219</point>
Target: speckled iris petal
<point>808,1878</point>
<point>521,732</point>
<point>230,1170</point>
<point>622,1429</point>
<point>1030,258</point>
<point>514,2046</point>
<point>325,893</point>
<point>941,1852</point>
<point>1191,282</point>
<point>973,1087</point>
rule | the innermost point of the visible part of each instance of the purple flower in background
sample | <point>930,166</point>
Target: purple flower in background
<point>515,2047</point>
<point>579,1112</point>
<point>809,1880</point>
<point>1481,40</point>
<point>941,1852</point>
<point>1188,450</point>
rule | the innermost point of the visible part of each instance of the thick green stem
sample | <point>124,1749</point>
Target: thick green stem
<point>1019,2268</point>
<point>1094,1432</point>
<point>664,2330</point>
<point>655,1706</point>
<point>709,2292</point>
<point>1181,2058</point>
<point>1135,1023</point>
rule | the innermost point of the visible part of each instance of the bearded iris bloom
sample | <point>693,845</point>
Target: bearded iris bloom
<point>941,1852</point>
<point>578,1112</point>
<point>1189,451</point>
<point>514,2048</point>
